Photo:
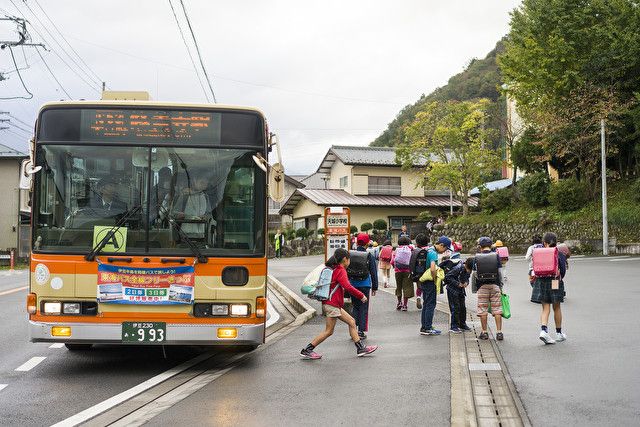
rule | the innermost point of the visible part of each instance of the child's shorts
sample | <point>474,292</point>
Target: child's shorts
<point>404,285</point>
<point>489,294</point>
<point>331,311</point>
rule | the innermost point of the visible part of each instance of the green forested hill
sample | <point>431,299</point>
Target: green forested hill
<point>481,79</point>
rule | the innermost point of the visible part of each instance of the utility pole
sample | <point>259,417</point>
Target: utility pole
<point>450,201</point>
<point>603,160</point>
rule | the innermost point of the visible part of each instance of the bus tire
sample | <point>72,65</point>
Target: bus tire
<point>78,347</point>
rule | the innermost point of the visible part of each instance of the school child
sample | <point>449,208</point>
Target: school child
<point>456,280</point>
<point>488,281</point>
<point>536,242</point>
<point>384,261</point>
<point>503,253</point>
<point>418,264</point>
<point>429,288</point>
<point>363,275</point>
<point>549,268</point>
<point>333,309</point>
<point>401,260</point>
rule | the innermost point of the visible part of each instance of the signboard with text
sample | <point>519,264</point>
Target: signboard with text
<point>337,223</point>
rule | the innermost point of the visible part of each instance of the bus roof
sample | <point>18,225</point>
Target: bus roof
<point>159,104</point>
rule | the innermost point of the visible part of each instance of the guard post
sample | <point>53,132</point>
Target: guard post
<point>337,225</point>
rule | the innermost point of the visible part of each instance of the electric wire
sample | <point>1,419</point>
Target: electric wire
<point>13,58</point>
<point>19,121</point>
<point>195,42</point>
<point>12,132</point>
<point>67,42</point>
<point>53,75</point>
<point>188,51</point>
<point>18,127</point>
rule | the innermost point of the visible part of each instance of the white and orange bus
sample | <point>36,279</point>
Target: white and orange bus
<point>148,224</point>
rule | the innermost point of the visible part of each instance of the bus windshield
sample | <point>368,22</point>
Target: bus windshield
<point>213,195</point>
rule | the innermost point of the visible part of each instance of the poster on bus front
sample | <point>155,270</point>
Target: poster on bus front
<point>152,286</point>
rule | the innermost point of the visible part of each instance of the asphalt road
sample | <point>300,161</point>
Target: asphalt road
<point>593,377</point>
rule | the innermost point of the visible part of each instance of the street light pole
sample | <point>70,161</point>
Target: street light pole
<point>603,161</point>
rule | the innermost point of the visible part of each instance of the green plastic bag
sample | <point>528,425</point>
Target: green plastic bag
<point>506,306</point>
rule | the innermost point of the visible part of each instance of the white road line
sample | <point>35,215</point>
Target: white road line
<point>274,316</point>
<point>101,407</point>
<point>3,386</point>
<point>57,345</point>
<point>30,364</point>
<point>13,291</point>
<point>626,259</point>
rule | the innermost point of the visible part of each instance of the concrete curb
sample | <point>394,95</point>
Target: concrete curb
<point>306,311</point>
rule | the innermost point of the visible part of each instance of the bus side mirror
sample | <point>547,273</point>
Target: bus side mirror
<point>26,172</point>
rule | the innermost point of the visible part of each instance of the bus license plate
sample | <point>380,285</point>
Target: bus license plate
<point>144,332</point>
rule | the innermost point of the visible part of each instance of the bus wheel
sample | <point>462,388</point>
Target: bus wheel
<point>78,347</point>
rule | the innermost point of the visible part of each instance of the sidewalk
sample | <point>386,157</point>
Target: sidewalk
<point>405,382</point>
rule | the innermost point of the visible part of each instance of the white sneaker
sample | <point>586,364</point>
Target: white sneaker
<point>546,338</point>
<point>561,336</point>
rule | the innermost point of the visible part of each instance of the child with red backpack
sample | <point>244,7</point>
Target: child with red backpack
<point>401,260</point>
<point>384,258</point>
<point>549,268</point>
<point>333,309</point>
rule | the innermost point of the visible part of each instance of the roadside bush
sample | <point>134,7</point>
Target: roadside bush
<point>289,234</point>
<point>568,195</point>
<point>497,200</point>
<point>302,233</point>
<point>426,216</point>
<point>366,227</point>
<point>353,229</point>
<point>379,224</point>
<point>272,236</point>
<point>535,189</point>
<point>320,231</point>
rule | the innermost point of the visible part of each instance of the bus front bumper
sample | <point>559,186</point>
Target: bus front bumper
<point>177,334</point>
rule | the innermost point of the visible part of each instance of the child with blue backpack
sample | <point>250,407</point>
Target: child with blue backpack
<point>332,308</point>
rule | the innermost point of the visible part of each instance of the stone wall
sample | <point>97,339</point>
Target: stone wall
<point>298,247</point>
<point>581,237</point>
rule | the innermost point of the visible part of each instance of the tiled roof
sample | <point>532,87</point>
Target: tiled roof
<point>314,181</point>
<point>10,153</point>
<point>342,198</point>
<point>362,156</point>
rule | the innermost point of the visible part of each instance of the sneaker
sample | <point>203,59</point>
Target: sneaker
<point>455,330</point>
<point>465,328</point>
<point>367,350</point>
<point>424,331</point>
<point>484,336</point>
<point>362,335</point>
<point>404,308</point>
<point>386,285</point>
<point>546,338</point>
<point>310,354</point>
<point>419,303</point>
<point>499,336</point>
<point>433,332</point>
<point>561,336</point>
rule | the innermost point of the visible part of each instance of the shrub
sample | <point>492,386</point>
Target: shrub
<point>635,190</point>
<point>302,232</point>
<point>366,227</point>
<point>568,195</point>
<point>497,200</point>
<point>353,229</point>
<point>320,231</point>
<point>272,236</point>
<point>535,189</point>
<point>289,234</point>
<point>379,224</point>
<point>426,216</point>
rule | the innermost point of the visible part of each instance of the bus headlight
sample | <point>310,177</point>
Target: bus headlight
<point>71,308</point>
<point>239,309</point>
<point>52,307</point>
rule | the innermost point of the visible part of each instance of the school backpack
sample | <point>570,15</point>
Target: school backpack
<point>320,290</point>
<point>359,267</point>
<point>418,263</point>
<point>487,268</point>
<point>403,257</point>
<point>503,252</point>
<point>545,262</point>
<point>386,253</point>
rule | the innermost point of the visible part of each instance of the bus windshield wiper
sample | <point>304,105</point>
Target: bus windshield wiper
<point>194,248</point>
<point>107,238</point>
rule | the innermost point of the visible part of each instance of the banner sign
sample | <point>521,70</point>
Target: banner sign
<point>153,286</point>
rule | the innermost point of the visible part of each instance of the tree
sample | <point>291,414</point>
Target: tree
<point>380,224</point>
<point>302,233</point>
<point>568,64</point>
<point>527,154</point>
<point>353,229</point>
<point>450,139</point>
<point>366,227</point>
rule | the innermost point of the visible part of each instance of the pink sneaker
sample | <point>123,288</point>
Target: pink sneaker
<point>367,350</point>
<point>310,355</point>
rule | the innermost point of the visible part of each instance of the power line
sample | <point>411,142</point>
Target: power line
<point>13,58</point>
<point>188,51</point>
<point>13,133</point>
<point>195,42</point>
<point>18,120</point>
<point>18,127</point>
<point>53,75</point>
<point>67,42</point>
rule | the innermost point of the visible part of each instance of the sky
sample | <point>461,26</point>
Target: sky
<point>324,73</point>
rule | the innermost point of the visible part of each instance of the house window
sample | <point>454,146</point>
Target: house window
<point>275,206</point>
<point>385,185</point>
<point>344,181</point>
<point>299,223</point>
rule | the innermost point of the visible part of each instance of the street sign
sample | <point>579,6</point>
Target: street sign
<point>337,224</point>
